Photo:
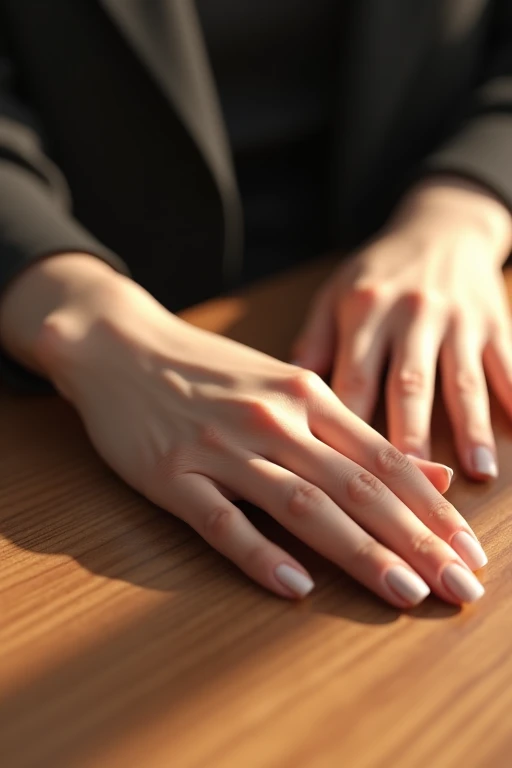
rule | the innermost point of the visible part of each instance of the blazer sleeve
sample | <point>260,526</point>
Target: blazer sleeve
<point>36,218</point>
<point>480,148</point>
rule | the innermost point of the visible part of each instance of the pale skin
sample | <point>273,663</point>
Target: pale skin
<point>429,289</point>
<point>195,422</point>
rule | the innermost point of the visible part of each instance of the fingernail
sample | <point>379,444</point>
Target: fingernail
<point>299,583</point>
<point>406,584</point>
<point>449,472</point>
<point>484,462</point>
<point>469,549</point>
<point>462,583</point>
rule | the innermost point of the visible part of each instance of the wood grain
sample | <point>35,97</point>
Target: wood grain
<point>126,642</point>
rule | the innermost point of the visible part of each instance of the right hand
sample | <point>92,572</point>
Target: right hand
<point>195,421</point>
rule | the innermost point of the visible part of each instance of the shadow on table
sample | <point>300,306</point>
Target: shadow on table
<point>164,659</point>
<point>114,533</point>
<point>73,506</point>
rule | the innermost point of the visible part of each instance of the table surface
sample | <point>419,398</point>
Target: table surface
<point>125,641</point>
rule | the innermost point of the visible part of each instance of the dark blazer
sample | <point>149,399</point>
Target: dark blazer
<point>112,140</point>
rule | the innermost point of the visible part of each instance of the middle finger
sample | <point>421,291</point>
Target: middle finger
<point>410,384</point>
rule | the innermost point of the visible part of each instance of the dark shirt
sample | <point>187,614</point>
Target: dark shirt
<point>274,65</point>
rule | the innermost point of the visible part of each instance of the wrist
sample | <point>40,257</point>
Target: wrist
<point>112,328</point>
<point>461,204</point>
<point>73,282</point>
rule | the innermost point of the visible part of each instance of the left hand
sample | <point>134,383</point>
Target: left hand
<point>429,286</point>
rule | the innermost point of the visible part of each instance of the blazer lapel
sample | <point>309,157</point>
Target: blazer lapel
<point>167,37</point>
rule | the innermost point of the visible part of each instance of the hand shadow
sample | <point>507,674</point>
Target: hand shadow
<point>64,501</point>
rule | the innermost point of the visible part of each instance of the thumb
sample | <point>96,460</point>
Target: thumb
<point>315,344</point>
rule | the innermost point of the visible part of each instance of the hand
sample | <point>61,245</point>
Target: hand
<point>194,421</point>
<point>430,286</point>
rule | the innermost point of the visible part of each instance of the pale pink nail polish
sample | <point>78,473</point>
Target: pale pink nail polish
<point>449,472</point>
<point>406,584</point>
<point>298,582</point>
<point>484,462</point>
<point>469,549</point>
<point>462,583</point>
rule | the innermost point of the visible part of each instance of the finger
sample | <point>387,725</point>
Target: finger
<point>362,342</point>
<point>371,504</point>
<point>313,517</point>
<point>411,379</point>
<point>498,364</point>
<point>439,475</point>
<point>314,346</point>
<point>467,400</point>
<point>351,437</point>
<point>196,500</point>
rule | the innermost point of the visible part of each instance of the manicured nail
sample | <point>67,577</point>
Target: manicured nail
<point>484,462</point>
<point>406,584</point>
<point>299,583</point>
<point>462,583</point>
<point>470,550</point>
<point>449,472</point>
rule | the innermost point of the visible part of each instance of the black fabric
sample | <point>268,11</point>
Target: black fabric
<point>273,64</point>
<point>422,87</point>
<point>136,179</point>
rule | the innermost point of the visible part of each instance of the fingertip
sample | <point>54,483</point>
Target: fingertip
<point>407,585</point>
<point>483,464</point>
<point>440,475</point>
<point>467,546</point>
<point>297,582</point>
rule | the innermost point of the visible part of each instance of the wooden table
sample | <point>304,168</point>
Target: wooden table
<point>126,643</point>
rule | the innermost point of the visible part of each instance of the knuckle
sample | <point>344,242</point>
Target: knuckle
<point>257,559</point>
<point>174,463</point>
<point>211,436</point>
<point>392,463</point>
<point>424,544</point>
<point>368,550</point>
<point>409,382</point>
<point>466,383</point>
<point>260,416</point>
<point>418,301</point>
<point>354,381</point>
<point>364,488</point>
<point>304,500</point>
<point>497,329</point>
<point>217,524</point>
<point>302,384</point>
<point>460,321</point>
<point>361,300</point>
<point>440,510</point>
